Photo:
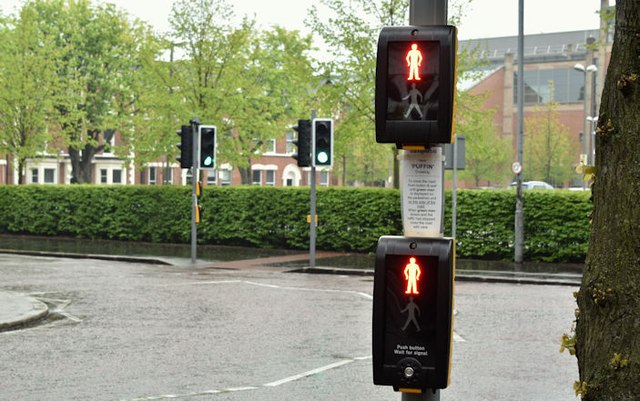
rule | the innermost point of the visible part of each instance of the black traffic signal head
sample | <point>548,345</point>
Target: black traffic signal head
<point>413,312</point>
<point>322,142</point>
<point>185,146</point>
<point>416,85</point>
<point>207,146</point>
<point>303,156</point>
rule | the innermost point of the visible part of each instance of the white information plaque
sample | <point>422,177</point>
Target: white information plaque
<point>422,192</point>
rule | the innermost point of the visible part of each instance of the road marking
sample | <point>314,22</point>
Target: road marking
<point>276,286</point>
<point>310,373</point>
<point>458,338</point>
<point>362,294</point>
<point>249,388</point>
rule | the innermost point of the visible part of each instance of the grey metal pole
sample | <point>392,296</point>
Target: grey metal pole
<point>519,216</point>
<point>428,396</point>
<point>454,194</point>
<point>312,208</point>
<point>195,122</point>
<point>427,12</point>
<point>312,227</point>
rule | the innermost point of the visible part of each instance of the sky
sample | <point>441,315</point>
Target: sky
<point>484,18</point>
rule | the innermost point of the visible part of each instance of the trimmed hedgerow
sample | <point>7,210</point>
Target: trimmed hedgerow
<point>556,222</point>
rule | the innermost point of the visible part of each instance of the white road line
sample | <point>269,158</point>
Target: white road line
<point>329,290</point>
<point>309,373</point>
<point>203,283</point>
<point>69,316</point>
<point>458,338</point>
<point>249,388</point>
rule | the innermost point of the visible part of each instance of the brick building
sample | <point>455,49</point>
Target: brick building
<point>572,60</point>
<point>275,167</point>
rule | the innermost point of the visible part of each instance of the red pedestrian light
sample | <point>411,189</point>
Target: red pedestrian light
<point>414,62</point>
<point>412,274</point>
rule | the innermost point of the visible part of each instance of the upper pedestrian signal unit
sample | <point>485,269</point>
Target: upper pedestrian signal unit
<point>415,85</point>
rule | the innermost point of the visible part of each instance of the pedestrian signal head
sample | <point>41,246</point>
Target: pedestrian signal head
<point>412,312</point>
<point>415,85</point>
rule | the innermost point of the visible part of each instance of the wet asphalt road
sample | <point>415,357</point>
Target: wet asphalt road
<point>125,332</point>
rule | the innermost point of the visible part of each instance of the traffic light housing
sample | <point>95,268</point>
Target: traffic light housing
<point>416,86</point>
<point>413,312</point>
<point>322,142</point>
<point>303,155</point>
<point>185,146</point>
<point>207,146</point>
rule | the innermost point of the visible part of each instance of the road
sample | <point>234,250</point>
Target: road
<point>132,332</point>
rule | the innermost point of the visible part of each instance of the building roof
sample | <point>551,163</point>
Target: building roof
<point>563,44</point>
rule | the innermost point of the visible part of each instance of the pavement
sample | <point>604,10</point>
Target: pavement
<point>19,310</point>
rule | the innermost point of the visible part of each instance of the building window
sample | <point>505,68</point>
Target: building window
<point>256,177</point>
<point>168,175</point>
<point>225,177</point>
<point>568,86</point>
<point>34,175</point>
<point>153,175</point>
<point>270,146</point>
<point>103,176</point>
<point>211,177</point>
<point>324,178</point>
<point>290,146</point>
<point>117,176</point>
<point>49,176</point>
<point>271,178</point>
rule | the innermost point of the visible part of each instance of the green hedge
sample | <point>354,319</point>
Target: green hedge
<point>556,222</point>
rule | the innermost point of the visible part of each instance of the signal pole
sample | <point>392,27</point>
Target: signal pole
<point>312,209</point>
<point>427,12</point>
<point>195,122</point>
<point>519,215</point>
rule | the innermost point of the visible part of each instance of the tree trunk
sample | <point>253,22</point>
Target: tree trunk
<point>245,175</point>
<point>81,161</point>
<point>608,324</point>
<point>21,171</point>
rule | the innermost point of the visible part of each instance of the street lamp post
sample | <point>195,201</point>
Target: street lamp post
<point>591,151</point>
<point>589,108</point>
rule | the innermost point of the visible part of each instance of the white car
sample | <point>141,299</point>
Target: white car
<point>533,185</point>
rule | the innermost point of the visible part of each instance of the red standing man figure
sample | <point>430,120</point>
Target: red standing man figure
<point>414,60</point>
<point>412,275</point>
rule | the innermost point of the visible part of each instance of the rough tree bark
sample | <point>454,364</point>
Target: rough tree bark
<point>608,324</point>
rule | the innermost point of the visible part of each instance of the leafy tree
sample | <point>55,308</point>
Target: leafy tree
<point>26,85</point>
<point>94,66</point>
<point>351,37</point>
<point>608,318</point>
<point>547,148</point>
<point>252,83</point>
<point>487,155</point>
<point>157,109</point>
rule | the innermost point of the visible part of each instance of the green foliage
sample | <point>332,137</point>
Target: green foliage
<point>488,155</point>
<point>349,219</point>
<point>547,148</point>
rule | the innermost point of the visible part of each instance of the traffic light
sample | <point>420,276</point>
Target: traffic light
<point>413,312</point>
<point>185,146</point>
<point>207,146</point>
<point>322,142</point>
<point>416,86</point>
<point>303,156</point>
